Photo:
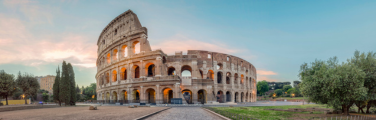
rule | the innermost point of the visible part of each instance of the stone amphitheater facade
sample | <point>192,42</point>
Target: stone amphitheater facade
<point>128,70</point>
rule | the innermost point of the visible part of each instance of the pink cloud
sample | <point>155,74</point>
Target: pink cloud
<point>264,72</point>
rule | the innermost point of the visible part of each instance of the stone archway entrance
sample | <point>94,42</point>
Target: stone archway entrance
<point>187,95</point>
<point>220,97</point>
<point>228,96</point>
<point>150,95</point>
<point>167,95</point>
<point>201,96</point>
<point>136,96</point>
<point>236,97</point>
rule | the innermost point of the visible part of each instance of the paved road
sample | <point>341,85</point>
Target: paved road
<point>184,113</point>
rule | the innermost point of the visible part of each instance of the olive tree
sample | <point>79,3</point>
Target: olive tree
<point>331,83</point>
<point>7,85</point>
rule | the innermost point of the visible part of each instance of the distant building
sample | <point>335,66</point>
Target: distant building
<point>277,85</point>
<point>39,78</point>
<point>47,83</point>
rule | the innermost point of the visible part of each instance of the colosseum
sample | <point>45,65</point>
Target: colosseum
<point>130,71</point>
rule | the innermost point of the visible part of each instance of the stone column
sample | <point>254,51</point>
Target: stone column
<point>142,69</point>
<point>194,97</point>
<point>130,94</point>
<point>157,97</point>
<point>232,96</point>
<point>158,66</point>
<point>142,95</point>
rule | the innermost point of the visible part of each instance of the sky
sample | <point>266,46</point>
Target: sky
<point>275,36</point>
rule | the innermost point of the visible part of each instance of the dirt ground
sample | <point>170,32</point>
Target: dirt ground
<point>80,113</point>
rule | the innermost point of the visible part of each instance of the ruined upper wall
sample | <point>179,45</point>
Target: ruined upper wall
<point>126,24</point>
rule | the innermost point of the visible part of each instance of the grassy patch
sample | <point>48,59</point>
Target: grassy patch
<point>260,113</point>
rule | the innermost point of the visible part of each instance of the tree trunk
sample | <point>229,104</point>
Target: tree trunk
<point>363,106</point>
<point>345,109</point>
<point>59,103</point>
<point>6,99</point>
<point>358,105</point>
<point>369,104</point>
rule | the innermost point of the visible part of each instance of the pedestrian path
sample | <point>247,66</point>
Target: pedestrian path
<point>184,113</point>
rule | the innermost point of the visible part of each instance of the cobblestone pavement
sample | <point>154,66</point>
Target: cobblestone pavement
<point>184,113</point>
<point>80,113</point>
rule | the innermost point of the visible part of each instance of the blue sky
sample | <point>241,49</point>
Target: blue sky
<point>275,36</point>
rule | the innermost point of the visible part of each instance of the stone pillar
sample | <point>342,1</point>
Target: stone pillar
<point>158,67</point>
<point>130,94</point>
<point>232,96</point>
<point>194,97</point>
<point>142,69</point>
<point>158,96</point>
<point>142,95</point>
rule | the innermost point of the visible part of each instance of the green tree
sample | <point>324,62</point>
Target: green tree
<point>64,92</point>
<point>337,85</point>
<point>262,87</point>
<point>278,92</point>
<point>28,83</point>
<point>78,93</point>
<point>45,97</point>
<point>7,85</point>
<point>56,87</point>
<point>73,93</point>
<point>291,91</point>
<point>286,87</point>
<point>367,63</point>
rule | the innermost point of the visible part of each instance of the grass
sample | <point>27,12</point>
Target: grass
<point>294,98</point>
<point>260,113</point>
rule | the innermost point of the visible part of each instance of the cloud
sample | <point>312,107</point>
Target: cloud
<point>180,42</point>
<point>261,78</point>
<point>19,46</point>
<point>264,72</point>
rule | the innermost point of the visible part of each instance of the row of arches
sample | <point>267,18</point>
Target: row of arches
<point>123,52</point>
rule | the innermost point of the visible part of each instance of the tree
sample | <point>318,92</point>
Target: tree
<point>45,96</point>
<point>286,87</point>
<point>278,92</point>
<point>367,63</point>
<point>291,91</point>
<point>7,85</point>
<point>64,92</point>
<point>73,93</point>
<point>78,93</point>
<point>337,85</point>
<point>56,87</point>
<point>28,84</point>
<point>262,87</point>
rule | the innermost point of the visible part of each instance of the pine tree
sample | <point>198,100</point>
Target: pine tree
<point>56,89</point>
<point>64,86</point>
<point>73,93</point>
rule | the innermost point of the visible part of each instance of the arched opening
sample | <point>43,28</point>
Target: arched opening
<point>125,50</point>
<point>186,71</point>
<point>242,79</point>
<point>220,97</point>
<point>210,75</point>
<point>219,66</point>
<point>171,71</point>
<point>108,58</point>
<point>236,97</point>
<point>228,96</point>
<point>114,76</point>
<point>136,47</point>
<point>102,96</point>
<point>164,59</point>
<point>115,32</point>
<point>114,97</point>
<point>167,95</point>
<point>150,69</point>
<point>236,78</point>
<point>228,75</point>
<point>228,58</point>
<point>125,96</point>
<point>202,74</point>
<point>150,95</point>
<point>246,97</point>
<point>136,71</point>
<point>246,72</point>
<point>209,55</point>
<point>201,96</point>
<point>123,73</point>
<point>107,78</point>
<point>187,94</point>
<point>107,97</point>
<point>219,77</point>
<point>136,96</point>
<point>242,97</point>
<point>115,54</point>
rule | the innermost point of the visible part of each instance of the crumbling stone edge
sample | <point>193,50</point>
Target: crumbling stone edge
<point>219,115</point>
<point>151,114</point>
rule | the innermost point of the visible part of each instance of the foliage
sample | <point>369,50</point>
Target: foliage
<point>78,93</point>
<point>72,89</point>
<point>7,85</point>
<point>56,87</point>
<point>337,85</point>
<point>28,84</point>
<point>45,97</point>
<point>17,94</point>
<point>278,92</point>
<point>89,91</point>
<point>367,63</point>
<point>64,92</point>
<point>262,87</point>
<point>286,87</point>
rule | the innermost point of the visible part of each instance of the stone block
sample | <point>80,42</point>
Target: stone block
<point>93,107</point>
